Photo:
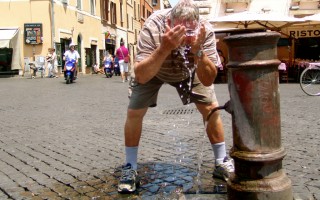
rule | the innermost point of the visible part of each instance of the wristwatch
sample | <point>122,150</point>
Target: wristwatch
<point>199,53</point>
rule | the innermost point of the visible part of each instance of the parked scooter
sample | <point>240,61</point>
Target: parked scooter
<point>70,70</point>
<point>108,69</point>
<point>116,67</point>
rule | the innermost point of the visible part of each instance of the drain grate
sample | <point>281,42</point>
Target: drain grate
<point>178,111</point>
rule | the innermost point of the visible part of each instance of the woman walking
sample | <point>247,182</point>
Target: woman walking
<point>124,58</point>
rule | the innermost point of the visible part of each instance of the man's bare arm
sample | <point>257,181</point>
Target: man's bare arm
<point>149,67</point>
<point>206,69</point>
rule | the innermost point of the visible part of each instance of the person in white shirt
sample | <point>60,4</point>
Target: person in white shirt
<point>55,63</point>
<point>52,63</point>
<point>72,54</point>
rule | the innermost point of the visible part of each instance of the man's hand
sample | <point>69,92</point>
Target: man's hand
<point>172,38</point>
<point>196,43</point>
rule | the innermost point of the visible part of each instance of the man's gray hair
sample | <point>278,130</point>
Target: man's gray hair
<point>186,10</point>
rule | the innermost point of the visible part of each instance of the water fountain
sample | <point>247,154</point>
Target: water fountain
<point>253,82</point>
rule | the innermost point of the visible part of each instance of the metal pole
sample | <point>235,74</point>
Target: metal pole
<point>253,82</point>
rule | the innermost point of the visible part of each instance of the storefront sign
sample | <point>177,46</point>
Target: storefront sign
<point>107,35</point>
<point>110,38</point>
<point>301,33</point>
<point>33,33</point>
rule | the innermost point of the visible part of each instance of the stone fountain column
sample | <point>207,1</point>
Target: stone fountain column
<point>253,82</point>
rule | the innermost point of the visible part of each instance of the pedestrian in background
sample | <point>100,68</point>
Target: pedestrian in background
<point>55,63</point>
<point>96,69</point>
<point>52,63</point>
<point>124,59</point>
<point>49,63</point>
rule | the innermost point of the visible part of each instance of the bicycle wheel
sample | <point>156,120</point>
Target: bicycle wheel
<point>310,81</point>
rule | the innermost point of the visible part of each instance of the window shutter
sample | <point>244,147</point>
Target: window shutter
<point>114,13</point>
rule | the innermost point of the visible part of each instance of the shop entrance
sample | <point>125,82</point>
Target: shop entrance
<point>308,48</point>
<point>61,48</point>
<point>110,46</point>
<point>5,59</point>
<point>91,58</point>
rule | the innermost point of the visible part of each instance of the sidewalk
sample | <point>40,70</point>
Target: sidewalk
<point>63,141</point>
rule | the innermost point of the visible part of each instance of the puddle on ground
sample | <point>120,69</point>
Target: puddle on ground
<point>159,180</point>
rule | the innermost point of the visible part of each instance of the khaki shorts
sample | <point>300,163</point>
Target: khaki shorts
<point>146,95</point>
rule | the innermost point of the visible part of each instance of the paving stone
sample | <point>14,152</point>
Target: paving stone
<point>58,144</point>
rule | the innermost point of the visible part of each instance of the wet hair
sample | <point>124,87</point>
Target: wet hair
<point>185,10</point>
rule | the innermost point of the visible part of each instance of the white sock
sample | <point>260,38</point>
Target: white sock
<point>131,156</point>
<point>219,151</point>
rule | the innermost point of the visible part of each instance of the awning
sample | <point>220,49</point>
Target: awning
<point>9,38</point>
<point>271,20</point>
<point>6,35</point>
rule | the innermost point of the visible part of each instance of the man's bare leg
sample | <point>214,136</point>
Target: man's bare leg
<point>132,132</point>
<point>223,165</point>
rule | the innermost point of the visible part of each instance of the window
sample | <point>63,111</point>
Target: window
<point>113,13</point>
<point>127,21</point>
<point>132,23</point>
<point>134,10</point>
<point>154,2</point>
<point>105,10</point>
<point>143,11</point>
<point>92,7</point>
<point>121,19</point>
<point>79,4</point>
<point>139,14</point>
<point>135,35</point>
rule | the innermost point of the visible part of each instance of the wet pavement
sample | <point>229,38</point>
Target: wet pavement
<point>61,141</point>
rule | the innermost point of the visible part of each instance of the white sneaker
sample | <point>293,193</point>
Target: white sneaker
<point>224,170</point>
<point>129,180</point>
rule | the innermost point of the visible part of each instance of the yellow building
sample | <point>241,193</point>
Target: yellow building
<point>133,16</point>
<point>28,28</point>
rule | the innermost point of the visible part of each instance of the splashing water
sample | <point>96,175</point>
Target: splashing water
<point>200,160</point>
<point>186,13</point>
<point>184,51</point>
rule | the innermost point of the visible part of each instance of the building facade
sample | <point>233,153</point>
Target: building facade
<point>31,27</point>
<point>133,16</point>
<point>44,24</point>
<point>299,43</point>
<point>28,28</point>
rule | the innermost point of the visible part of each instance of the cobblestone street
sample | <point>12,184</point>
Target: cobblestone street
<point>61,141</point>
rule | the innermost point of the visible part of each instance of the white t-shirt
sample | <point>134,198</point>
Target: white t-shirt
<point>54,58</point>
<point>72,55</point>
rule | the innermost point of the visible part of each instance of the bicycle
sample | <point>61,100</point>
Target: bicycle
<point>310,79</point>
